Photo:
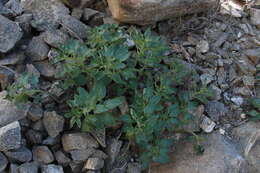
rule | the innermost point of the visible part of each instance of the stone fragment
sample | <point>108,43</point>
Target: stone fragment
<point>88,14</point>
<point>53,123</point>
<point>206,78</point>
<point>37,49</point>
<point>238,100</point>
<point>81,155</point>
<point>134,168</point>
<point>46,13</point>
<point>51,141</point>
<point>15,7</point>
<point>13,58</point>
<point>22,154</point>
<point>207,125</point>
<point>33,137</point>
<point>253,55</point>
<point>10,34</point>
<point>25,22</point>
<point>52,169</point>
<point>77,13</point>
<point>46,69</point>
<point>113,149</point>
<point>76,167</point>
<point>35,113</point>
<point>78,141</point>
<point>255,16</point>
<point>13,168</point>
<point>99,154</point>
<point>100,136</point>
<point>139,11</point>
<point>55,38</point>
<point>10,136</point>
<point>203,46</point>
<point>6,79</point>
<point>215,110</point>
<point>94,164</point>
<point>30,167</point>
<point>248,80</point>
<point>3,162</point>
<point>74,27</point>
<point>61,158</point>
<point>42,154</point>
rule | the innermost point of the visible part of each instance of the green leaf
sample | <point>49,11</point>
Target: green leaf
<point>255,102</point>
<point>109,105</point>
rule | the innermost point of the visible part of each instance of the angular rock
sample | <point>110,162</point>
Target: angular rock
<point>52,169</point>
<point>74,27</point>
<point>134,168</point>
<point>45,69</point>
<point>220,155</point>
<point>13,58</point>
<point>77,13</point>
<point>30,167</point>
<point>207,125</point>
<point>53,123</point>
<point>46,13</point>
<point>61,158</point>
<point>37,49</point>
<point>215,110</point>
<point>10,136</point>
<point>55,38</point>
<point>78,141</point>
<point>10,34</point>
<point>82,155</point>
<point>89,13</point>
<point>35,113</point>
<point>25,22</point>
<point>22,154</point>
<point>253,55</point>
<point>6,79</point>
<point>99,154</point>
<point>139,11</point>
<point>3,162</point>
<point>15,7</point>
<point>51,141</point>
<point>100,136</point>
<point>42,154</point>
<point>248,80</point>
<point>76,167</point>
<point>13,168</point>
<point>113,149</point>
<point>238,100</point>
<point>202,46</point>
<point>38,126</point>
<point>94,164</point>
<point>33,137</point>
<point>255,16</point>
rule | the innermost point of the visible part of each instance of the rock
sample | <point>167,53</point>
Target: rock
<point>134,168</point>
<point>202,46</point>
<point>35,113</point>
<point>10,136</point>
<point>31,69</point>
<point>215,110</point>
<point>220,156</point>
<point>81,155</point>
<point>76,167</point>
<point>207,125</point>
<point>61,158</point>
<point>46,13</point>
<point>51,141</point>
<point>3,162</point>
<point>34,137</point>
<point>113,149</point>
<point>206,78</point>
<point>45,69</point>
<point>13,168</point>
<point>77,13</point>
<point>10,34</point>
<point>253,55</point>
<point>6,79</point>
<point>42,154</point>
<point>217,92</point>
<point>248,80</point>
<point>100,136</point>
<point>94,164</point>
<point>22,154</point>
<point>248,136</point>
<point>56,90</point>
<point>53,123</point>
<point>15,7</point>
<point>52,169</point>
<point>245,66</point>
<point>88,14</point>
<point>5,11</point>
<point>13,58</point>
<point>99,154</point>
<point>238,100</point>
<point>30,167</point>
<point>74,27</point>
<point>245,91</point>
<point>25,23</point>
<point>78,141</point>
<point>37,49</point>
<point>139,11</point>
<point>232,8</point>
<point>55,38</point>
<point>255,16</point>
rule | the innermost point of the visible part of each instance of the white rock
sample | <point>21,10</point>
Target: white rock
<point>207,125</point>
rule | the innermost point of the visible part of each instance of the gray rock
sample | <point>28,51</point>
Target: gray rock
<point>53,123</point>
<point>207,125</point>
<point>134,168</point>
<point>237,100</point>
<point>255,16</point>
<point>99,154</point>
<point>220,155</point>
<point>10,136</point>
<point>22,154</point>
<point>202,46</point>
<point>248,136</point>
<point>13,168</point>
<point>94,164</point>
<point>46,13</point>
<point>78,141</point>
<point>215,110</point>
<point>77,13</point>
<point>206,78</point>
<point>74,27</point>
<point>37,49</point>
<point>45,69</point>
<point>13,58</point>
<point>61,158</point>
<point>7,78</point>
<point>3,162</point>
<point>89,13</point>
<point>35,113</point>
<point>38,126</point>
<point>253,55</point>
<point>14,6</point>
<point>51,141</point>
<point>5,11</point>
<point>248,80</point>
<point>25,22</point>
<point>82,155</point>
<point>76,167</point>
<point>52,169</point>
<point>100,136</point>
<point>34,137</point>
<point>42,154</point>
<point>55,38</point>
<point>10,34</point>
<point>113,149</point>
<point>31,167</point>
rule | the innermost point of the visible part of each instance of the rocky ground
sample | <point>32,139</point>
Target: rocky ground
<point>223,48</point>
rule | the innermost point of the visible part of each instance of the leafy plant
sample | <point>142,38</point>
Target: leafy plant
<point>255,113</point>
<point>106,72</point>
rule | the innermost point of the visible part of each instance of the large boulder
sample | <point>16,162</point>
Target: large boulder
<point>10,34</point>
<point>139,11</point>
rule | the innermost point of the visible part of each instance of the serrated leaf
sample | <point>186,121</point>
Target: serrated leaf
<point>109,105</point>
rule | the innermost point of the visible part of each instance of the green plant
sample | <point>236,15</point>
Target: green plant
<point>105,72</point>
<point>255,113</point>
